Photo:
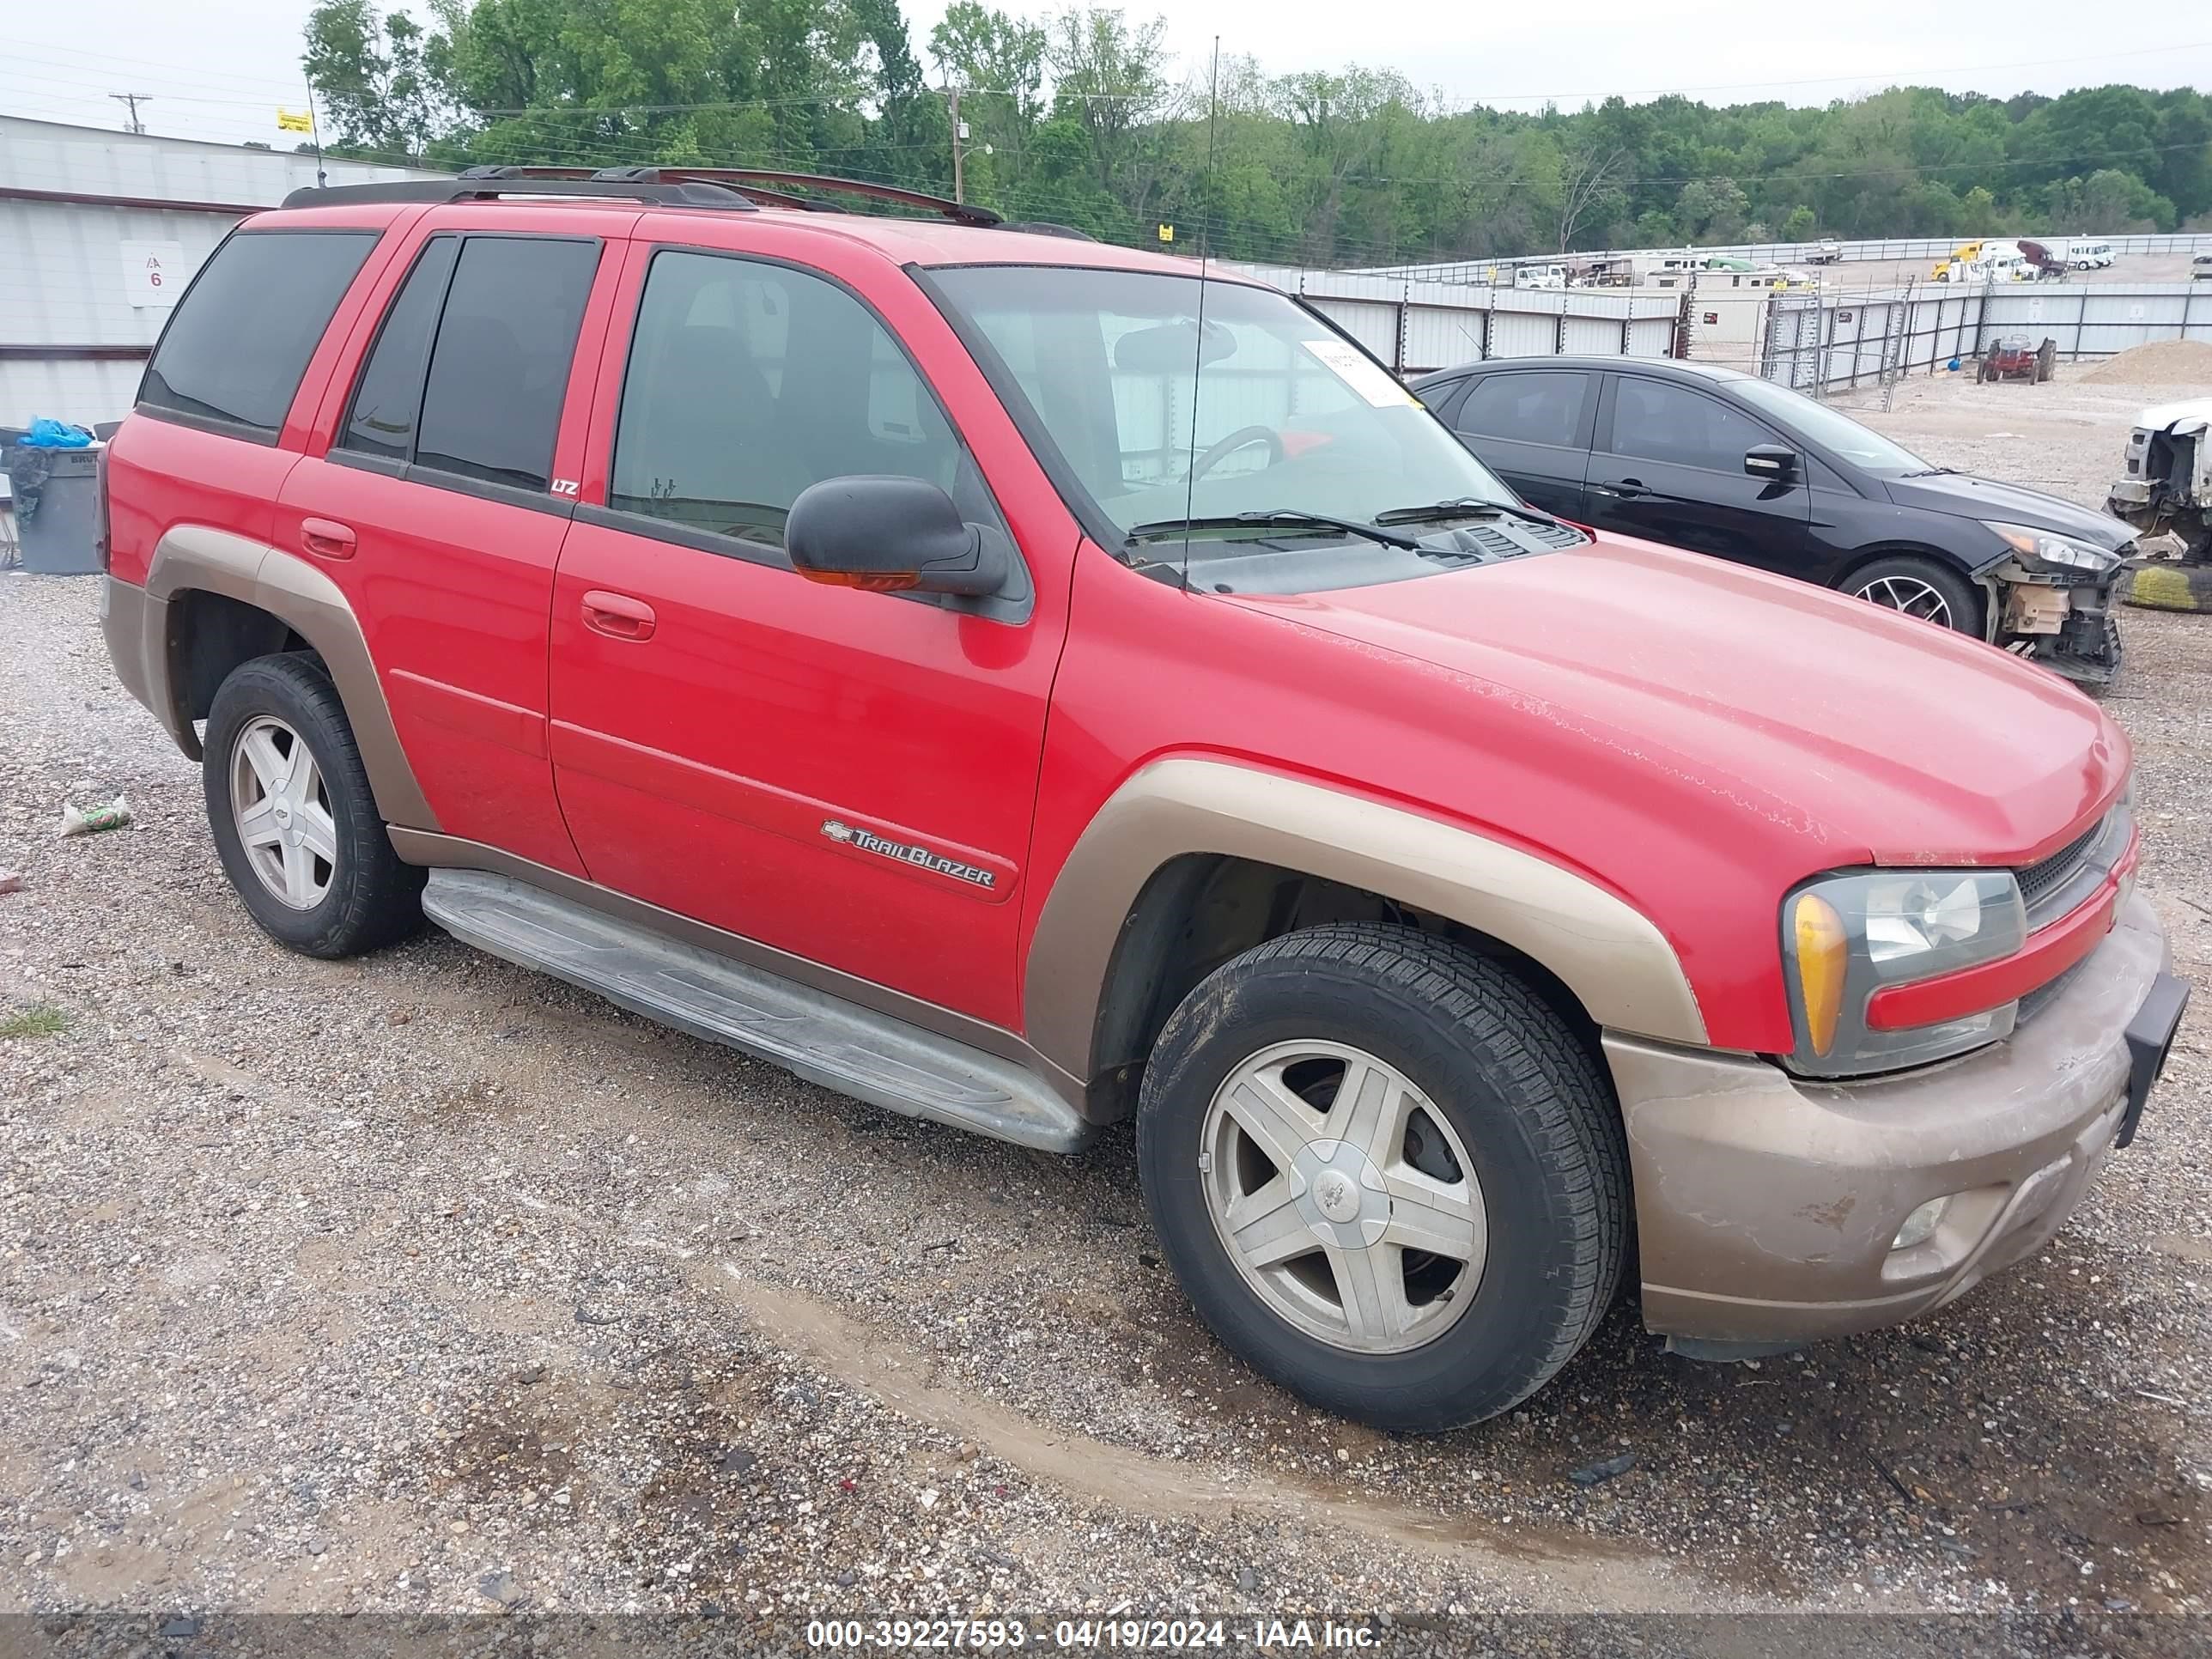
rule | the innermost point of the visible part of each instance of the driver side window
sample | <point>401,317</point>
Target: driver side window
<point>748,382</point>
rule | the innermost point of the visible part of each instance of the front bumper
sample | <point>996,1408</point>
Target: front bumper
<point>2081,644</point>
<point>1766,1205</point>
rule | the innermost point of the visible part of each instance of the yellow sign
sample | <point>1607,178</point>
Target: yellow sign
<point>291,121</point>
<point>1167,232</point>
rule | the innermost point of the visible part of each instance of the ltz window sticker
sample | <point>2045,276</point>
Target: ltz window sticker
<point>1357,370</point>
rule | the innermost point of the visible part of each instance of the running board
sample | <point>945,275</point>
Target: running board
<point>825,1039</point>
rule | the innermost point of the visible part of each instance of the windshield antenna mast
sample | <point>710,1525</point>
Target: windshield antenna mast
<point>1198,345</point>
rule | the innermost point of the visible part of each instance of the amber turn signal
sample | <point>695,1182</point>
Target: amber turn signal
<point>1821,957</point>
<point>878,581</point>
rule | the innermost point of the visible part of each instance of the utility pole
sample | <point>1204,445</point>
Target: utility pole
<point>959,181</point>
<point>133,99</point>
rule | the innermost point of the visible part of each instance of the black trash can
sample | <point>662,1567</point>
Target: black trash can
<point>56,502</point>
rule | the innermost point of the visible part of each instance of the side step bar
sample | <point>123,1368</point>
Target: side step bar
<point>825,1039</point>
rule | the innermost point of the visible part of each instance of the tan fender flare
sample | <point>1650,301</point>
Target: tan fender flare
<point>1610,955</point>
<point>197,558</point>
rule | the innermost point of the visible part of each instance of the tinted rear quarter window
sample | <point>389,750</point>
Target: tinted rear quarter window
<point>499,372</point>
<point>240,340</point>
<point>1543,407</point>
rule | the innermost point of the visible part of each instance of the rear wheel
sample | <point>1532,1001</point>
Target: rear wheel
<point>1919,588</point>
<point>294,820</point>
<point>1386,1172</point>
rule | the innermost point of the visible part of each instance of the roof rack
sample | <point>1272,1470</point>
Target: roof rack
<point>486,184</point>
<point>1046,228</point>
<point>761,185</point>
<point>743,188</point>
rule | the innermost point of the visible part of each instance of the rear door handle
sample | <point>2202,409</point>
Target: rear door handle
<point>326,538</point>
<point>617,616</point>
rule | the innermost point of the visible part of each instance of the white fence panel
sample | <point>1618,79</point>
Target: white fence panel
<point>1437,337</point>
<point>1523,334</point>
<point>1651,337</point>
<point>1375,327</point>
<point>1593,335</point>
<point>1929,328</point>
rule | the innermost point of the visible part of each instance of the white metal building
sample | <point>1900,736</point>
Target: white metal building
<point>99,234</point>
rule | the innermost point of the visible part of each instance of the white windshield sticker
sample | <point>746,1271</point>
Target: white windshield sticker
<point>1361,372</point>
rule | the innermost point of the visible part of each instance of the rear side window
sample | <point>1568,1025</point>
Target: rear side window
<point>239,344</point>
<point>1543,407</point>
<point>381,419</point>
<point>499,371</point>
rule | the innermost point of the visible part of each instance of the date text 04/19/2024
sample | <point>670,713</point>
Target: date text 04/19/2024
<point>1164,1635</point>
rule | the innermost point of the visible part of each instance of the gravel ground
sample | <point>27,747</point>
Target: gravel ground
<point>420,1283</point>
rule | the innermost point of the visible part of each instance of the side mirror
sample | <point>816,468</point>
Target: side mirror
<point>1769,461</point>
<point>890,535</point>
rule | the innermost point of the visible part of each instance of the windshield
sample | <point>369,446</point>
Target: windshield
<point>1264,409</point>
<point>1840,434</point>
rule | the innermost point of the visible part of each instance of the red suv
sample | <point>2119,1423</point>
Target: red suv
<point>1013,681</point>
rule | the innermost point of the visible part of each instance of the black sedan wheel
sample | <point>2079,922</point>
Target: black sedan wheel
<point>1922,588</point>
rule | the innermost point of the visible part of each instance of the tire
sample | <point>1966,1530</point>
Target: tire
<point>1909,580</point>
<point>2165,585</point>
<point>1532,1128</point>
<point>359,898</point>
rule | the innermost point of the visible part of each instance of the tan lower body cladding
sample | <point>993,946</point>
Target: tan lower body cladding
<point>192,558</point>
<point>1766,1207</point>
<point>1614,960</point>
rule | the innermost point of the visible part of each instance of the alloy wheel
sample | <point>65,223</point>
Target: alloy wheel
<point>282,808</point>
<point>1911,595</point>
<point>1346,1200</point>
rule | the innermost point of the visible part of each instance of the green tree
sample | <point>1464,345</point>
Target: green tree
<point>1080,115</point>
<point>381,86</point>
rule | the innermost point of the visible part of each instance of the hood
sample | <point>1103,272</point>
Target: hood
<point>2194,415</point>
<point>1866,735</point>
<point>1969,497</point>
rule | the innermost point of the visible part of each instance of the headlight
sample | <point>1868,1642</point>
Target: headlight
<point>2043,549</point>
<point>1846,937</point>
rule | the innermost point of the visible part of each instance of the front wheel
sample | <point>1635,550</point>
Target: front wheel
<point>1919,588</point>
<point>294,820</point>
<point>1386,1172</point>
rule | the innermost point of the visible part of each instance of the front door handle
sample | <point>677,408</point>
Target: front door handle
<point>326,538</point>
<point>617,616</point>
<point>1627,488</point>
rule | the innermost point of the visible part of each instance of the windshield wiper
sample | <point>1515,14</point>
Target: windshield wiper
<point>1931,472</point>
<point>1293,518</point>
<point>1462,506</point>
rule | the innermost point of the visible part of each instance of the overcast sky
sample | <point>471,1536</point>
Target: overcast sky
<point>217,68</point>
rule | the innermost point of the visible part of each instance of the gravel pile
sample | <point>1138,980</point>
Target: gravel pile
<point>421,1282</point>
<point>2160,362</point>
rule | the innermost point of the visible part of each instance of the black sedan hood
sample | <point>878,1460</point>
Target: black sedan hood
<point>1970,497</point>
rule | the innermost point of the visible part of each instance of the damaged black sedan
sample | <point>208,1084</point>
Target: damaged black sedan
<point>1724,463</point>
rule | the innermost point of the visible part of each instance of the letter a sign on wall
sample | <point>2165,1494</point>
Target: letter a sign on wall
<point>153,274</point>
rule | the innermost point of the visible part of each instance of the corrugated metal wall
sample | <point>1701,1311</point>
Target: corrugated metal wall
<point>1415,327</point>
<point>62,283</point>
<point>86,162</point>
<point>74,279</point>
<point>98,389</point>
